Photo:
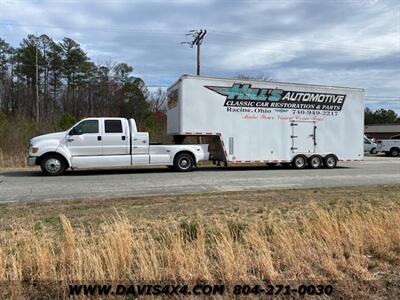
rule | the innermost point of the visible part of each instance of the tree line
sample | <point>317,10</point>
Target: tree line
<point>43,79</point>
<point>381,116</point>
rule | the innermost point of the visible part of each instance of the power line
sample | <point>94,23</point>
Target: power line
<point>253,36</point>
<point>382,100</point>
<point>385,97</point>
<point>108,28</point>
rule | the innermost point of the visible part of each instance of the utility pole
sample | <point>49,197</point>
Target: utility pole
<point>37,86</point>
<point>198,36</point>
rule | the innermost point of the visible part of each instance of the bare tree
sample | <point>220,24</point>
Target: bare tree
<point>158,100</point>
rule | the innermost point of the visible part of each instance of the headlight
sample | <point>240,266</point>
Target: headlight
<point>35,149</point>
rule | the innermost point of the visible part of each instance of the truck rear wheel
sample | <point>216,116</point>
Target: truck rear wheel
<point>52,165</point>
<point>394,152</point>
<point>330,161</point>
<point>183,162</point>
<point>315,162</point>
<point>299,162</point>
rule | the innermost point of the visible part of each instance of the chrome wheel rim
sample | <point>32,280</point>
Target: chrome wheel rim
<point>315,162</point>
<point>53,165</point>
<point>184,163</point>
<point>300,162</point>
<point>330,161</point>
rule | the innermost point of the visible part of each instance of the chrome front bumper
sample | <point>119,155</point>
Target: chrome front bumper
<point>32,161</point>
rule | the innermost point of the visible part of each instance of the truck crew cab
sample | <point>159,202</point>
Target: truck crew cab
<point>108,142</point>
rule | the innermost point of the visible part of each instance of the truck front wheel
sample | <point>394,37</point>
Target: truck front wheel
<point>52,165</point>
<point>183,162</point>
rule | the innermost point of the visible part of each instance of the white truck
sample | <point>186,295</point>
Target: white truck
<point>232,121</point>
<point>108,142</point>
<point>369,145</point>
<point>249,121</point>
<point>389,146</point>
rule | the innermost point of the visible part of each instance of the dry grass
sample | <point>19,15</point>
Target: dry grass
<point>354,242</point>
<point>17,159</point>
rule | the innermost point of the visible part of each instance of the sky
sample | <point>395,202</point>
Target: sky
<point>352,43</point>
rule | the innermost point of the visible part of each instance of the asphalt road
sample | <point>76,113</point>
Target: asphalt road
<point>30,185</point>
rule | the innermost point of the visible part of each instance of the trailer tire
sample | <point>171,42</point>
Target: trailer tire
<point>330,161</point>
<point>315,162</point>
<point>53,165</point>
<point>394,151</point>
<point>183,162</point>
<point>299,162</point>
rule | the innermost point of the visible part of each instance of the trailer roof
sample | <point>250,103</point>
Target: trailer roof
<point>263,81</point>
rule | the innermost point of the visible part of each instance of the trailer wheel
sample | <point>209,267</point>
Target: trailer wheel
<point>53,165</point>
<point>394,151</point>
<point>330,161</point>
<point>299,162</point>
<point>183,162</point>
<point>315,162</point>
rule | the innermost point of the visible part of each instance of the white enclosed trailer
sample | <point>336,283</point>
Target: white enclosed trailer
<point>270,122</point>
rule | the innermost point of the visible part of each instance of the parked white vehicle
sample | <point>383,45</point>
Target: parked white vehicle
<point>249,121</point>
<point>108,142</point>
<point>369,145</point>
<point>390,146</point>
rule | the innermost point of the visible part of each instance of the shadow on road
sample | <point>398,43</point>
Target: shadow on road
<point>96,172</point>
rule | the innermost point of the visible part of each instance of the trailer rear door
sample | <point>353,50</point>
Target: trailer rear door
<point>303,137</point>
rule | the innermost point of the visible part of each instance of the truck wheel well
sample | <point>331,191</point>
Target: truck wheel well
<point>331,154</point>
<point>40,158</point>
<point>302,155</point>
<point>187,152</point>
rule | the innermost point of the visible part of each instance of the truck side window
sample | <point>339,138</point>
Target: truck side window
<point>113,126</point>
<point>88,126</point>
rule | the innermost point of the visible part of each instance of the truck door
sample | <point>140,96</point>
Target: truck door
<point>115,137</point>
<point>303,136</point>
<point>85,139</point>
